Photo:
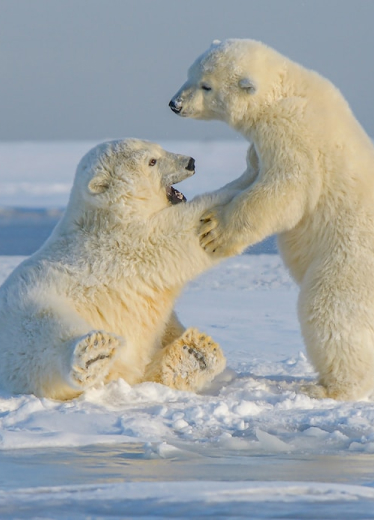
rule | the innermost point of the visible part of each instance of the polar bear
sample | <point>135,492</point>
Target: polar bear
<point>310,179</point>
<point>95,303</point>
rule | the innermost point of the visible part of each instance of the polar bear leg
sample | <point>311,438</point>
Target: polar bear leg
<point>174,330</point>
<point>339,388</point>
<point>92,357</point>
<point>188,363</point>
<point>64,355</point>
<point>338,335</point>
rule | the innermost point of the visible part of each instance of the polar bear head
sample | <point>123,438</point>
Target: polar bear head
<point>230,81</point>
<point>128,174</point>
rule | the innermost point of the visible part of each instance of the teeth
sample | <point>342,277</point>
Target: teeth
<point>174,196</point>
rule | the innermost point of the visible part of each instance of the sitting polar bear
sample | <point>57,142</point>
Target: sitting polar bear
<point>95,303</point>
<point>311,181</point>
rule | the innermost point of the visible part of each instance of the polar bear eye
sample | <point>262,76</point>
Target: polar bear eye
<point>205,87</point>
<point>152,162</point>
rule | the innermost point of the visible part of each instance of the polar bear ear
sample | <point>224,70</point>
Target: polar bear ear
<point>216,42</point>
<point>99,183</point>
<point>248,85</point>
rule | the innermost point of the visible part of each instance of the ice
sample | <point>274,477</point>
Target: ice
<point>193,500</point>
<point>254,410</point>
<point>271,443</point>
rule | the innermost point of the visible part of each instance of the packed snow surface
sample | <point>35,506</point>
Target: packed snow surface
<point>248,304</point>
<point>251,427</point>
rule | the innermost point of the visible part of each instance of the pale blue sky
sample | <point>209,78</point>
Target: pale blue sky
<point>97,69</point>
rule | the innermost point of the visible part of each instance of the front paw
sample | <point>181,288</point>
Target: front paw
<point>215,234</point>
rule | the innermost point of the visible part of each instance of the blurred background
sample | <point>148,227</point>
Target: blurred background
<point>76,72</point>
<point>96,69</point>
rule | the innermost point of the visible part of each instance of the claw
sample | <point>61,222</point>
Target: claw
<point>199,358</point>
<point>207,216</point>
<point>206,241</point>
<point>207,227</point>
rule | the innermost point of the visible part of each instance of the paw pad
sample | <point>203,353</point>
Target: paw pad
<point>92,357</point>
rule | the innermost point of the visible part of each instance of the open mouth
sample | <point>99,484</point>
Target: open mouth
<point>174,196</point>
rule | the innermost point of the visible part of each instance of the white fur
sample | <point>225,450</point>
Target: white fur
<point>314,187</point>
<point>96,301</point>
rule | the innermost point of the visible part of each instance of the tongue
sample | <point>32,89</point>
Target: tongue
<point>174,196</point>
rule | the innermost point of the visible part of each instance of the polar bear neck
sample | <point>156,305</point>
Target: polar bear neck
<point>294,83</point>
<point>131,248</point>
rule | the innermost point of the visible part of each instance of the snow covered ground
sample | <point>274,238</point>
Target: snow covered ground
<point>251,446</point>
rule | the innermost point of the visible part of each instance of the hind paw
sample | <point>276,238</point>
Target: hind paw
<point>191,361</point>
<point>93,355</point>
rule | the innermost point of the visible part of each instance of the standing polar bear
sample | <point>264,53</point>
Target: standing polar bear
<point>95,303</point>
<point>310,179</point>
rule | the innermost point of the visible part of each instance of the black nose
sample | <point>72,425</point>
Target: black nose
<point>191,165</point>
<point>175,108</point>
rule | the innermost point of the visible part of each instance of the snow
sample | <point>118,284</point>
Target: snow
<point>251,446</point>
<point>255,406</point>
<point>194,500</point>
<point>252,424</point>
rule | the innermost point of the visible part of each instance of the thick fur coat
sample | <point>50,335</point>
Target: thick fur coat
<point>95,303</point>
<point>310,179</point>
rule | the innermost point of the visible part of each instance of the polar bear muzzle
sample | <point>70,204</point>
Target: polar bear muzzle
<point>174,196</point>
<point>176,105</point>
